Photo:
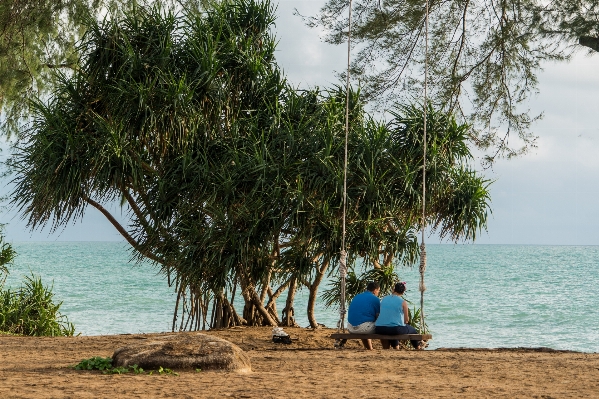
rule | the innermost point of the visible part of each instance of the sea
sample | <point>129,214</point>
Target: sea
<point>478,296</point>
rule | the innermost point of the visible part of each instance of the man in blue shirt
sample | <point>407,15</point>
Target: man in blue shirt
<point>363,311</point>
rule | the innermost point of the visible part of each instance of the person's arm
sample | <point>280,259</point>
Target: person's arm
<point>406,312</point>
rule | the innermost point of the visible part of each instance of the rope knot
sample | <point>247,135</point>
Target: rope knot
<point>422,258</point>
<point>343,264</point>
<point>422,266</point>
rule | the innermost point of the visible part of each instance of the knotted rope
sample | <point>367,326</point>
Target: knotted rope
<point>343,274</point>
<point>424,144</point>
<point>343,259</point>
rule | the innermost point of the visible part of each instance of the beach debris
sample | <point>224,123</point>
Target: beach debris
<point>184,351</point>
<point>279,336</point>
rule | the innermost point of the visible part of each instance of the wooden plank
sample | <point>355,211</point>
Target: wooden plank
<point>403,337</point>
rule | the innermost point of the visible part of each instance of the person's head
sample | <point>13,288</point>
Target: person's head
<point>400,287</point>
<point>374,287</point>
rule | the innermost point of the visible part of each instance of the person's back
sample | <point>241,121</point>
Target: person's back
<point>363,311</point>
<point>395,317</point>
<point>391,312</point>
<point>363,308</point>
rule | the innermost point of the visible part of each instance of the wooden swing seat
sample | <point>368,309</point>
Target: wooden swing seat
<point>402,337</point>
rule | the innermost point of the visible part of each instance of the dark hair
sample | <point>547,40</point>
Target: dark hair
<point>400,287</point>
<point>373,285</point>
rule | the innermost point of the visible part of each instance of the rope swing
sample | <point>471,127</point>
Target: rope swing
<point>423,222</point>
<point>343,253</point>
<point>343,258</point>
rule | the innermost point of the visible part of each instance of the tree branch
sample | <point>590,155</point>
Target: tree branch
<point>70,65</point>
<point>122,231</point>
<point>590,42</point>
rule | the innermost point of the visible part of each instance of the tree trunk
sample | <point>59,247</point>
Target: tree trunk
<point>271,306</point>
<point>288,314</point>
<point>589,41</point>
<point>254,311</point>
<point>272,298</point>
<point>225,315</point>
<point>262,311</point>
<point>314,292</point>
<point>388,259</point>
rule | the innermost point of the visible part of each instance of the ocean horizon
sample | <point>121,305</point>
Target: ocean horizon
<point>478,295</point>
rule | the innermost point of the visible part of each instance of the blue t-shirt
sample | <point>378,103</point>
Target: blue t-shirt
<point>391,312</point>
<point>364,307</point>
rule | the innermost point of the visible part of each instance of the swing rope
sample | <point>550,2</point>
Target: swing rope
<point>343,258</point>
<point>422,268</point>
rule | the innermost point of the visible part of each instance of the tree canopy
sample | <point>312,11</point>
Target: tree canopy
<point>38,37</point>
<point>35,37</point>
<point>232,179</point>
<point>484,56</point>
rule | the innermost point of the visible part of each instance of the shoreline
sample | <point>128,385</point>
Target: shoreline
<point>38,367</point>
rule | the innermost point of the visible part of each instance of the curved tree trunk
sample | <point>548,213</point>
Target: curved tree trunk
<point>254,311</point>
<point>314,292</point>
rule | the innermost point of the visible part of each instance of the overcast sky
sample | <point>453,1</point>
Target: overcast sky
<point>549,196</point>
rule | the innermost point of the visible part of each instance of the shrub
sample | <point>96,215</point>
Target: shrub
<point>30,310</point>
<point>95,363</point>
<point>7,255</point>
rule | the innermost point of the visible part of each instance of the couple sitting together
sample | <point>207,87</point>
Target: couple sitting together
<point>389,316</point>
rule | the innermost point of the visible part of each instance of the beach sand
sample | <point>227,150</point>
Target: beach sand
<point>308,368</point>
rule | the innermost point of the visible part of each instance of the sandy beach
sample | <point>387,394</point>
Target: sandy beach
<point>310,367</point>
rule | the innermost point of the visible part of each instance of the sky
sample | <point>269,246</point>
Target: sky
<point>549,196</point>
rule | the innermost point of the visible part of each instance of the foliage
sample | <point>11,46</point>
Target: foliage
<point>484,56</point>
<point>105,365</point>
<point>414,315</point>
<point>94,363</point>
<point>230,176</point>
<point>7,255</point>
<point>162,370</point>
<point>354,285</point>
<point>30,310</point>
<point>38,38</point>
<point>575,20</point>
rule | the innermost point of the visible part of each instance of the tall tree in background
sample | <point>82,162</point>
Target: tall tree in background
<point>35,38</point>
<point>484,56</point>
<point>572,21</point>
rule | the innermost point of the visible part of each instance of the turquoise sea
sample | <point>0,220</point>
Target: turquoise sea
<point>477,295</point>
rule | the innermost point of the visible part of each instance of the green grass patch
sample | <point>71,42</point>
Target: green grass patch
<point>94,363</point>
<point>104,364</point>
<point>10,334</point>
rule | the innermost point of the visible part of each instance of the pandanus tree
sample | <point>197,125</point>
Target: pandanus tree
<point>384,189</point>
<point>233,180</point>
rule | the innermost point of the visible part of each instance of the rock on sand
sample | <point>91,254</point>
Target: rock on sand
<point>189,351</point>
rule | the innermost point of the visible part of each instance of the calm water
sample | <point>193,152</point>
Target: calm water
<point>478,295</point>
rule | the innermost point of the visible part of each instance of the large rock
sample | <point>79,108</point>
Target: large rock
<point>189,351</point>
